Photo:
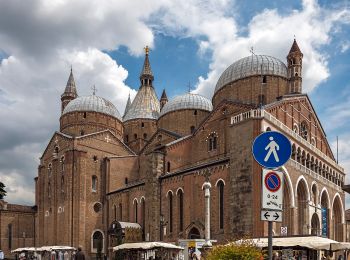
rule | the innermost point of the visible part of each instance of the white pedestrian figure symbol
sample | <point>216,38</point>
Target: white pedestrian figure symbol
<point>272,147</point>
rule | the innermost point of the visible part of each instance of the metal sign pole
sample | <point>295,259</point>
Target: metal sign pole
<point>270,240</point>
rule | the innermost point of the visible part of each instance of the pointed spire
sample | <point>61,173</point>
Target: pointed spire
<point>70,87</point>
<point>164,96</point>
<point>146,69</point>
<point>70,92</point>
<point>295,47</point>
<point>128,104</point>
<point>163,99</point>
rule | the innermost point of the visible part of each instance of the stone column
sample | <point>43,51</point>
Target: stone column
<point>206,187</point>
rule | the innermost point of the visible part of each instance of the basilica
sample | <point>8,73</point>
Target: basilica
<point>107,178</point>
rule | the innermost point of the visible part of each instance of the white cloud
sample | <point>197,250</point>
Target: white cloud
<point>41,39</point>
<point>269,32</point>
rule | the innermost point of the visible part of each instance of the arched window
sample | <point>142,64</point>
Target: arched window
<point>268,129</point>
<point>84,115</point>
<point>195,112</point>
<point>49,190</point>
<point>212,142</point>
<point>62,164</point>
<point>170,205</point>
<point>94,183</point>
<point>192,129</point>
<point>9,235</point>
<point>304,130</point>
<point>56,150</point>
<point>142,124</point>
<point>135,136</point>
<point>62,183</point>
<point>135,210</point>
<point>143,212</point>
<point>120,212</point>
<point>82,132</point>
<point>180,196</point>
<point>168,167</point>
<point>97,242</point>
<point>126,138</point>
<point>264,80</point>
<point>221,203</point>
<point>49,170</point>
<point>145,136</point>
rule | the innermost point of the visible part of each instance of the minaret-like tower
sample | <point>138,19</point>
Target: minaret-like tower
<point>70,91</point>
<point>128,104</point>
<point>295,61</point>
<point>140,119</point>
<point>163,99</point>
<point>146,76</point>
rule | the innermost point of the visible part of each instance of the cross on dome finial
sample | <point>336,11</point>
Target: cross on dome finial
<point>252,50</point>
<point>94,90</point>
<point>146,49</point>
<point>189,87</point>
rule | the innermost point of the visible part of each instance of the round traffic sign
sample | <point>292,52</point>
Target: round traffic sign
<point>272,181</point>
<point>271,149</point>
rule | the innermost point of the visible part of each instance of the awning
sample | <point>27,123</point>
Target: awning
<point>146,246</point>
<point>43,248</point>
<point>312,242</point>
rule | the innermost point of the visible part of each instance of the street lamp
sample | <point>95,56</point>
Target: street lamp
<point>163,224</point>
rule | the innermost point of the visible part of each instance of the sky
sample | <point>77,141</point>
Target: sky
<point>191,41</point>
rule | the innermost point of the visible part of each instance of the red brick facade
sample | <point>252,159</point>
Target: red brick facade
<point>141,169</point>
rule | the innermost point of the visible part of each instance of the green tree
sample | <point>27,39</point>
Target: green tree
<point>2,190</point>
<point>232,251</point>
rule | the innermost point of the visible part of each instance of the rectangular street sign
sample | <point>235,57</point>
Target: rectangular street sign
<point>272,190</point>
<point>270,215</point>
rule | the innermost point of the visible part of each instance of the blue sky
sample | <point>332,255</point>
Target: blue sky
<point>192,42</point>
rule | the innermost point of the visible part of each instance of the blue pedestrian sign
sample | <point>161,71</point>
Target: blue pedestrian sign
<point>271,149</point>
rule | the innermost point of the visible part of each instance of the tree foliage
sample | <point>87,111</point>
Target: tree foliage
<point>2,190</point>
<point>232,251</point>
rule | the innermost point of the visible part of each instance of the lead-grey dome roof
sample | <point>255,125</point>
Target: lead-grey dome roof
<point>250,66</point>
<point>144,106</point>
<point>92,103</point>
<point>187,101</point>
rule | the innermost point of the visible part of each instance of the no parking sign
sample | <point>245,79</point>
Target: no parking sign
<point>272,190</point>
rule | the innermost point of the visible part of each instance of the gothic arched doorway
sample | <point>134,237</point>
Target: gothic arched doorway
<point>97,244</point>
<point>337,220</point>
<point>302,195</point>
<point>194,233</point>
<point>315,225</point>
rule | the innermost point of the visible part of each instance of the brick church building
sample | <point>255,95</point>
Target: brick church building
<point>145,170</point>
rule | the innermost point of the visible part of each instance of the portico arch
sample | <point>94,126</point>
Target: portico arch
<point>303,196</point>
<point>325,206</point>
<point>337,218</point>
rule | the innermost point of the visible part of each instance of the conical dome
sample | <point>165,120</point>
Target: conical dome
<point>145,105</point>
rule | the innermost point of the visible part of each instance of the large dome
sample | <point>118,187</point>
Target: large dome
<point>187,101</point>
<point>251,66</point>
<point>92,103</point>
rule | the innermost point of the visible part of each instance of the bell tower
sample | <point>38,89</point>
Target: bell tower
<point>295,61</point>
<point>70,91</point>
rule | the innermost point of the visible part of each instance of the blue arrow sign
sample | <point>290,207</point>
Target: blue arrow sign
<point>271,149</point>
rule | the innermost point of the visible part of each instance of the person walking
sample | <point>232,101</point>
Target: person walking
<point>79,255</point>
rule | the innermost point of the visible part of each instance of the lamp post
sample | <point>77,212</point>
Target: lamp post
<point>163,223</point>
<point>206,187</point>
